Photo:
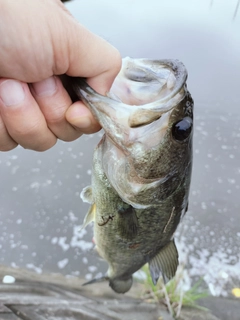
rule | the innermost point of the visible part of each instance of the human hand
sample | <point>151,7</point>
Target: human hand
<point>39,41</point>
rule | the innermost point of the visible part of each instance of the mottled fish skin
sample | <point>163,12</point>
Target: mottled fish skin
<point>141,168</point>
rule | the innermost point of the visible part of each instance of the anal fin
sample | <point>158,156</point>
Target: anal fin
<point>165,263</point>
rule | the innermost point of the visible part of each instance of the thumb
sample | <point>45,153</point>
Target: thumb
<point>88,55</point>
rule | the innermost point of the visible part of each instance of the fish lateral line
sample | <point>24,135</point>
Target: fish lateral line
<point>169,220</point>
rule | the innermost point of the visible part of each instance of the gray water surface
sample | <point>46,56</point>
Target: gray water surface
<point>40,208</point>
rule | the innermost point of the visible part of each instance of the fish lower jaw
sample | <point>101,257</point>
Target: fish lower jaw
<point>134,193</point>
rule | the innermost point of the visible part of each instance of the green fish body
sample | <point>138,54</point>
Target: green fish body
<point>141,168</point>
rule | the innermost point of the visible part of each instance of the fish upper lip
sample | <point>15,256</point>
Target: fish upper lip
<point>176,66</point>
<point>118,118</point>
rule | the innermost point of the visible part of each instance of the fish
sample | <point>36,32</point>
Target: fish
<point>141,170</point>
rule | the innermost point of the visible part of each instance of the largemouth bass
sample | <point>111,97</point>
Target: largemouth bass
<point>141,168</point>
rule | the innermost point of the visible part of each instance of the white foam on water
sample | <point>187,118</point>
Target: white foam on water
<point>62,263</point>
<point>77,242</point>
<point>33,267</point>
<point>88,276</point>
<point>8,279</point>
<point>92,268</point>
<point>62,243</point>
<point>215,268</point>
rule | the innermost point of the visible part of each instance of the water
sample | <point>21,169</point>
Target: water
<point>40,208</point>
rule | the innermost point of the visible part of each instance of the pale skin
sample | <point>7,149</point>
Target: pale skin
<point>40,40</point>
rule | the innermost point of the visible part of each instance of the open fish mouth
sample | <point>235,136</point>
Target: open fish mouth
<point>138,116</point>
<point>142,93</point>
<point>143,81</point>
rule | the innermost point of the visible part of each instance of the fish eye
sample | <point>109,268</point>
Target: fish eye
<point>182,129</point>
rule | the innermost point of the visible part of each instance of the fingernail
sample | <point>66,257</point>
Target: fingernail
<point>79,116</point>
<point>81,122</point>
<point>46,87</point>
<point>11,92</point>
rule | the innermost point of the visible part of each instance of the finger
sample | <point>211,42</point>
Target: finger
<point>54,44</point>
<point>84,54</point>
<point>102,62</point>
<point>80,117</point>
<point>68,122</point>
<point>54,101</point>
<point>6,142</point>
<point>78,114</point>
<point>22,117</point>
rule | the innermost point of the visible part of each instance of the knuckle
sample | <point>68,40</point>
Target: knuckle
<point>8,146</point>
<point>35,136</point>
<point>55,114</point>
<point>26,129</point>
<point>6,143</point>
<point>39,146</point>
<point>43,147</point>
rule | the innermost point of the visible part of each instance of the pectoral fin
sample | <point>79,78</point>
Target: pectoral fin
<point>165,263</point>
<point>90,216</point>
<point>86,194</point>
<point>127,223</point>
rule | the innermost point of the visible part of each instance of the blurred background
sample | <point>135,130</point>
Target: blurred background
<point>40,207</point>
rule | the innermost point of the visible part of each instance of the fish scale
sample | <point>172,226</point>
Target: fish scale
<point>141,168</point>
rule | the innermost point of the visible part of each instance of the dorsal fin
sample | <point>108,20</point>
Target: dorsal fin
<point>165,263</point>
